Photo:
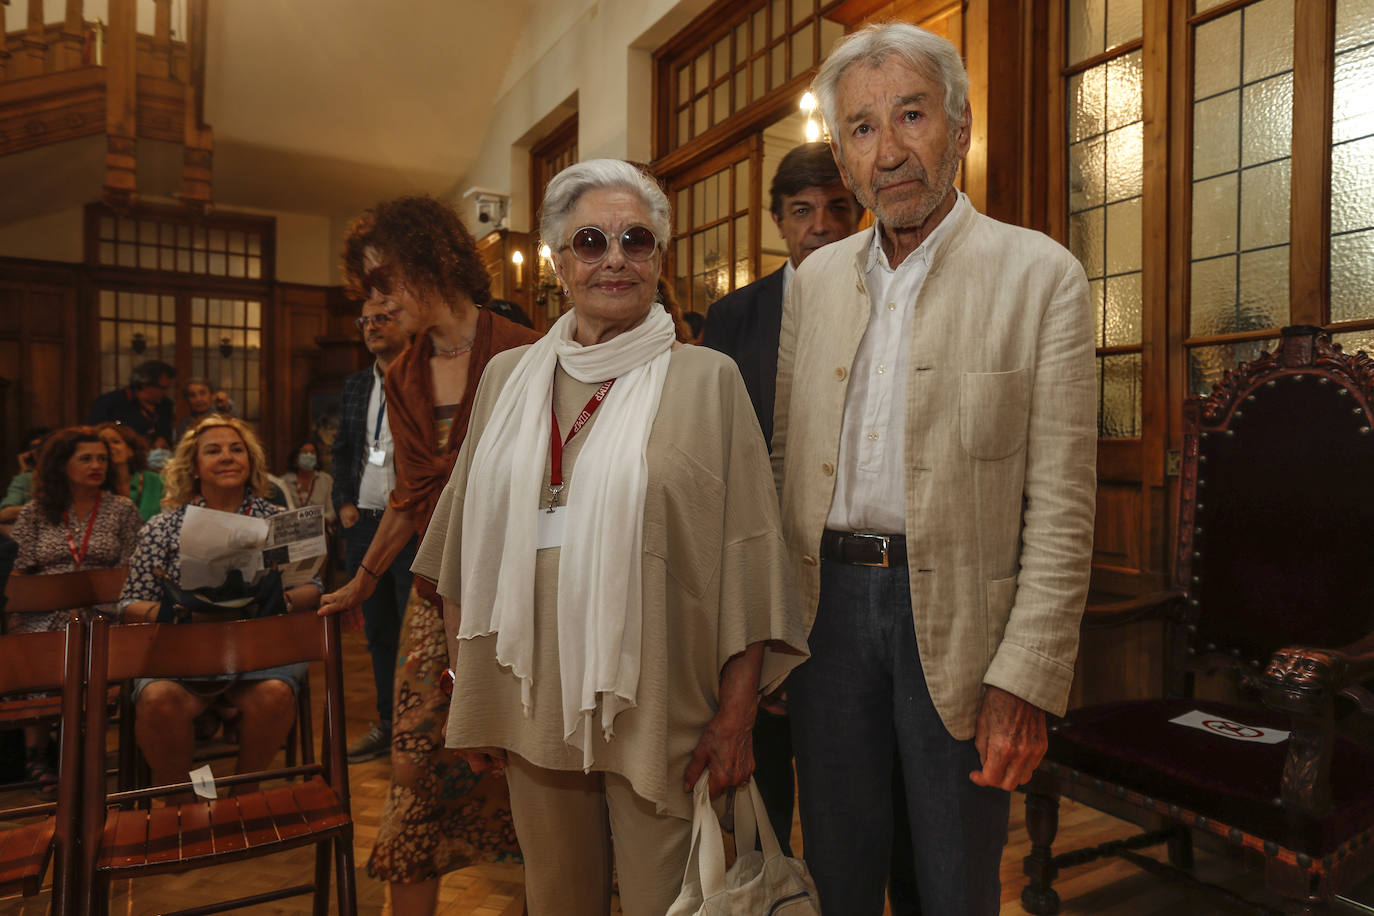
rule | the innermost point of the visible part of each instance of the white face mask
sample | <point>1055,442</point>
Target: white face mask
<point>306,462</point>
<point>158,458</point>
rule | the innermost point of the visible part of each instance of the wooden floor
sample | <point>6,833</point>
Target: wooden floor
<point>1111,887</point>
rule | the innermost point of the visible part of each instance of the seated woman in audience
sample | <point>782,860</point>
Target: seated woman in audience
<point>624,655</point>
<point>75,521</point>
<point>310,486</point>
<point>129,468</point>
<point>217,465</point>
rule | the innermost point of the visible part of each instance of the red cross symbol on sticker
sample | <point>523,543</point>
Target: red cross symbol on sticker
<point>1231,729</point>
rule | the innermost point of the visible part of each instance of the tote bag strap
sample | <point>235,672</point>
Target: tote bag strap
<point>751,822</point>
<point>707,855</point>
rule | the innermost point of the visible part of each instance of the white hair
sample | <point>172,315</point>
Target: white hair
<point>567,187</point>
<point>925,52</point>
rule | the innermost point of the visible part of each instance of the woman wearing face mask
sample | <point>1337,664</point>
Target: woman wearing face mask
<point>308,485</point>
<point>129,468</point>
<point>159,455</point>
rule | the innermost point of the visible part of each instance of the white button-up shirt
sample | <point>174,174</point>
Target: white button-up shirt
<point>374,490</point>
<point>870,479</point>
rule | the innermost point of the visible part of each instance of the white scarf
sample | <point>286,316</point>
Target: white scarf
<point>599,570</point>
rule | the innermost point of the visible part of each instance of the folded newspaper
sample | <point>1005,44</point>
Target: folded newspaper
<point>213,543</point>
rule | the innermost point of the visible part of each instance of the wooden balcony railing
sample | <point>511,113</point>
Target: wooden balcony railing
<point>78,78</point>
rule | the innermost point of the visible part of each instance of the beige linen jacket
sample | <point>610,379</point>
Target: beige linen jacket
<point>1000,452</point>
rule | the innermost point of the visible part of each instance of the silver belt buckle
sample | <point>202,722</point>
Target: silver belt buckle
<point>883,539</point>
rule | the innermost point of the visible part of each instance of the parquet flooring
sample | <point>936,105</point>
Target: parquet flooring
<point>1105,888</point>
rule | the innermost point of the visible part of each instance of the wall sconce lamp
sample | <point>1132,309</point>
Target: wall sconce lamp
<point>813,129</point>
<point>517,258</point>
<point>138,343</point>
<point>226,347</point>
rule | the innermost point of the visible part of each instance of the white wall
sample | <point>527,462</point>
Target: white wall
<point>601,52</point>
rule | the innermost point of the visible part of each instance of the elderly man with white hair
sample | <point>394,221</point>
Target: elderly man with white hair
<point>934,444</point>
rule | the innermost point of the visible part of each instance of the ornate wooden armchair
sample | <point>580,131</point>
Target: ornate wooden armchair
<point>1274,579</point>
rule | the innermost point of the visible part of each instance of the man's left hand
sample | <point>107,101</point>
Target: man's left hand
<point>1010,737</point>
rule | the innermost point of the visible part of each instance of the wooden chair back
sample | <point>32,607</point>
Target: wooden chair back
<point>53,660</point>
<point>182,651</point>
<point>28,593</point>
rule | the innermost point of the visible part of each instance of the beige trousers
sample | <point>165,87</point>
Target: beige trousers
<point>565,821</point>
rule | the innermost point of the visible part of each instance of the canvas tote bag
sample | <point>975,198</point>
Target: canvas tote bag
<point>765,883</point>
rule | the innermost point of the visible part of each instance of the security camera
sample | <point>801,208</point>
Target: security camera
<point>492,206</point>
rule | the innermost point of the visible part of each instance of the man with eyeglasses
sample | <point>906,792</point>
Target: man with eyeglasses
<point>142,405</point>
<point>364,476</point>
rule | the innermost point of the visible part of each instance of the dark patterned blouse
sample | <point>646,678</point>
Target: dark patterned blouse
<point>48,548</point>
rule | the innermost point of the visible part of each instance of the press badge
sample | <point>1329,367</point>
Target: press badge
<point>377,457</point>
<point>550,530</point>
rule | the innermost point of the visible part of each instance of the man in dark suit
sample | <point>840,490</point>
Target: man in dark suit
<point>364,474</point>
<point>811,208</point>
<point>142,405</point>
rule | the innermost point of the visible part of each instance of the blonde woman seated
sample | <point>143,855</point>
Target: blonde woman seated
<point>637,622</point>
<point>219,465</point>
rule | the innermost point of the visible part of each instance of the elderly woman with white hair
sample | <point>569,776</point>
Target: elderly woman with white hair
<point>610,561</point>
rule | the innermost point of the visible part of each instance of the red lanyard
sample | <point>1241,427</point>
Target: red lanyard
<point>80,557</point>
<point>303,499</point>
<point>557,442</point>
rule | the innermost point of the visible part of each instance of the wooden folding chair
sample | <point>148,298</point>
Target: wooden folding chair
<point>46,661</point>
<point>134,842</point>
<point>36,594</point>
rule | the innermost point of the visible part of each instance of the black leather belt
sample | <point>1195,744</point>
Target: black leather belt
<point>374,514</point>
<point>863,548</point>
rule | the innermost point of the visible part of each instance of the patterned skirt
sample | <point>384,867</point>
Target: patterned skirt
<point>439,815</point>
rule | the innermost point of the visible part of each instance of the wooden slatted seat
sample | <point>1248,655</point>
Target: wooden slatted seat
<point>124,842</point>
<point>45,833</point>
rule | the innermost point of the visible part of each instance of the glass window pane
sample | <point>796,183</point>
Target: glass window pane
<point>722,61</point>
<point>700,116</point>
<point>1087,174</point>
<point>1087,29</point>
<point>1125,162</point>
<point>1263,299</point>
<point>741,49</point>
<point>1212,298</point>
<point>1214,216</point>
<point>777,72</point>
<point>1097,296</point>
<point>1354,23</point>
<point>1086,232</point>
<point>743,275</point>
<point>702,66</point>
<point>1351,341</point>
<point>1268,38</point>
<point>742,185</point>
<point>831,32</point>
<point>1264,205</point>
<point>147,257</point>
<point>803,50</point>
<point>1216,56</point>
<point>1123,90</point>
<point>684,126</point>
<point>802,10</point>
<point>1216,135</point>
<point>107,253</point>
<point>760,31</point>
<point>1120,396</point>
<point>684,85</point>
<point>1352,186</point>
<point>1352,259</point>
<point>720,109</point>
<point>1087,103</point>
<point>1122,312</point>
<point>740,82</point>
<point>1125,22</point>
<point>1353,105</point>
<point>254,317</point>
<point>1123,237</point>
<point>1206,365</point>
<point>778,22</point>
<point>1267,116</point>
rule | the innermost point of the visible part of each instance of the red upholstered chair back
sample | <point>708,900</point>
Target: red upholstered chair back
<point>1276,523</point>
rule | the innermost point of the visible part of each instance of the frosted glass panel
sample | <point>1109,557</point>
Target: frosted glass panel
<point>1123,90</point>
<point>1268,38</point>
<point>1087,103</point>
<point>1123,237</point>
<point>1097,296</point>
<point>1352,186</point>
<point>1263,299</point>
<point>1214,216</point>
<point>1216,134</point>
<point>1353,104</point>
<point>1351,341</point>
<point>1354,23</point>
<point>1217,56</point>
<point>1121,325</point>
<point>1087,174</point>
<point>1268,118</point>
<point>1124,22</point>
<point>1352,260</point>
<point>1264,205</point>
<point>1119,396</point>
<point>1085,240</point>
<point>1125,162</point>
<point>1206,365</point>
<point>1213,297</point>
<point>1087,24</point>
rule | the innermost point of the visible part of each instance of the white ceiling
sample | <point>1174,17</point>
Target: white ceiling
<point>317,106</point>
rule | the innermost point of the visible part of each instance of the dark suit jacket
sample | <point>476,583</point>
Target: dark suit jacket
<point>121,406</point>
<point>350,443</point>
<point>744,326</point>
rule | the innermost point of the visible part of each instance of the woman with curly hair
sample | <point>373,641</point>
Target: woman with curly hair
<point>218,465</point>
<point>415,258</point>
<point>75,521</point>
<point>129,468</point>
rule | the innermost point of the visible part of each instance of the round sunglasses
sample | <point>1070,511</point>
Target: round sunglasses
<point>589,244</point>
